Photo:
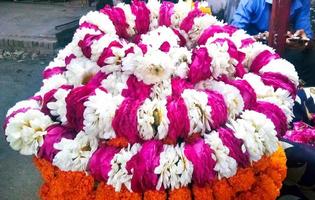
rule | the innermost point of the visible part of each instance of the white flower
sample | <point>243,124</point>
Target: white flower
<point>99,45</point>
<point>30,103</point>
<point>51,83</point>
<point>75,154</point>
<point>222,63</point>
<point>257,132</point>
<point>200,24</point>
<point>232,96</point>
<point>25,131</point>
<point>118,175</point>
<point>199,112</point>
<point>101,20</point>
<point>129,63</point>
<point>130,18</point>
<point>181,58</point>
<point>154,7</point>
<point>57,62</point>
<point>157,37</point>
<point>81,33</point>
<point>80,71</point>
<point>238,36</point>
<point>152,119</point>
<point>161,90</point>
<point>174,170</point>
<point>283,67</point>
<point>181,10</point>
<point>115,83</point>
<point>252,51</point>
<point>226,166</point>
<point>153,67</point>
<point>58,108</point>
<point>99,113</point>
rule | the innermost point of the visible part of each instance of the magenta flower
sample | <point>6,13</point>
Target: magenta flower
<point>199,153</point>
<point>75,105</point>
<point>235,146</point>
<point>107,52</point>
<point>246,42</point>
<point>136,89</point>
<point>277,80</point>
<point>182,39</point>
<point>262,59</point>
<point>54,135</point>
<point>89,26</point>
<point>177,114</point>
<point>86,43</point>
<point>211,30</point>
<point>165,14</point>
<point>142,13</point>
<point>301,133</point>
<point>219,113</point>
<point>246,90</point>
<point>199,69</point>
<point>69,58</point>
<point>117,16</point>
<point>142,166</point>
<point>275,114</point>
<point>188,21</point>
<point>97,79</point>
<point>47,73</point>
<point>165,47</point>
<point>179,85</point>
<point>99,163</point>
<point>125,121</point>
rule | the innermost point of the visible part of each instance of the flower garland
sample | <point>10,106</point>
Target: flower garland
<point>158,98</point>
<point>261,180</point>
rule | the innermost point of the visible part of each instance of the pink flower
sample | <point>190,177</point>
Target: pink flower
<point>107,52</point>
<point>235,146</point>
<point>219,113</point>
<point>99,164</point>
<point>246,90</point>
<point>86,43</point>
<point>142,166</point>
<point>277,80</point>
<point>125,121</point>
<point>166,12</point>
<point>188,21</point>
<point>301,133</point>
<point>211,30</point>
<point>275,114</point>
<point>89,26</point>
<point>262,59</point>
<point>54,135</point>
<point>199,153</point>
<point>142,13</point>
<point>97,79</point>
<point>246,42</point>
<point>199,69</point>
<point>47,73</point>
<point>177,114</point>
<point>165,47</point>
<point>179,85</point>
<point>75,105</point>
<point>117,16</point>
<point>136,89</point>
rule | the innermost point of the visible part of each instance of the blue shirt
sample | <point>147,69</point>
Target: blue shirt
<point>254,16</point>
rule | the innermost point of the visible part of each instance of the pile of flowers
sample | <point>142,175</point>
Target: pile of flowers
<point>158,101</point>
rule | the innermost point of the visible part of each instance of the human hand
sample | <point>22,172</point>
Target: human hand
<point>298,40</point>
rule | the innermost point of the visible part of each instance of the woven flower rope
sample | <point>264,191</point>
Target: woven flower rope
<point>262,180</point>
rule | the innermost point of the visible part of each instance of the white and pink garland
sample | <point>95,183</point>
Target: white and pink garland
<point>195,98</point>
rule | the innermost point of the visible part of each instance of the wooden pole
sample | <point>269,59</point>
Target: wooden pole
<point>279,23</point>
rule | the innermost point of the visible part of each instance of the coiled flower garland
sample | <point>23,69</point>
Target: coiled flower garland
<point>157,97</point>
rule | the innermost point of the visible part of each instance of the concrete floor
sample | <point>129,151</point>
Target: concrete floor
<point>19,179</point>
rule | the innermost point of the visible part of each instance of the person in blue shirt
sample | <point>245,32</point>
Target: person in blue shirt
<point>254,16</point>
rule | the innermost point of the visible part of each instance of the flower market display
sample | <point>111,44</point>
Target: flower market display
<point>158,101</point>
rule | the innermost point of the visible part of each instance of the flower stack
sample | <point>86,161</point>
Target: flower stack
<point>158,101</point>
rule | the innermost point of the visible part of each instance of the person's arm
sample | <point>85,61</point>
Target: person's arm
<point>302,20</point>
<point>243,14</point>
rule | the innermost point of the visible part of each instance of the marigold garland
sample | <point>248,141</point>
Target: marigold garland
<point>262,180</point>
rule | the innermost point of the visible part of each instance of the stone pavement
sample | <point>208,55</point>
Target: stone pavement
<point>19,179</point>
<point>32,26</point>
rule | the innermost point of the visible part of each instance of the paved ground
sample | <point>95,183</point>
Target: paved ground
<point>18,178</point>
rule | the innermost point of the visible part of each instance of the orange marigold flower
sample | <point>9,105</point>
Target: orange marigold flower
<point>120,142</point>
<point>105,191</point>
<point>155,195</point>
<point>222,190</point>
<point>243,180</point>
<point>125,194</point>
<point>180,194</point>
<point>201,193</point>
